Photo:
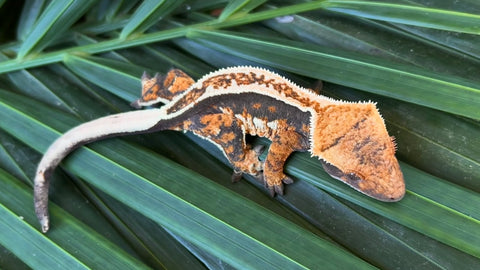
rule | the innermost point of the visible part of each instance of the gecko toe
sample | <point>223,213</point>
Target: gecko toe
<point>287,180</point>
<point>278,189</point>
<point>236,176</point>
<point>271,191</point>
<point>275,189</point>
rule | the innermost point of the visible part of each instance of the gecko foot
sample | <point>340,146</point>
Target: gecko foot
<point>278,188</point>
<point>287,180</point>
<point>249,164</point>
<point>259,149</point>
<point>272,189</point>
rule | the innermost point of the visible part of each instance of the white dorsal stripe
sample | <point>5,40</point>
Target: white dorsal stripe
<point>252,88</point>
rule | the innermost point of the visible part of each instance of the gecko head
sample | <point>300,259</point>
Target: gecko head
<point>353,143</point>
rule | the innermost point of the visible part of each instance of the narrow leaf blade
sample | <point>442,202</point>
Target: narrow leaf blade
<point>149,13</point>
<point>406,83</point>
<point>57,17</point>
<point>411,15</point>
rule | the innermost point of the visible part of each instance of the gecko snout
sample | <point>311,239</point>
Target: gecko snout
<point>384,188</point>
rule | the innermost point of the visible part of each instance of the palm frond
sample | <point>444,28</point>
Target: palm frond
<point>165,200</point>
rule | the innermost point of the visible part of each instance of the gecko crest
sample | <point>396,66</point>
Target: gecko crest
<point>224,106</point>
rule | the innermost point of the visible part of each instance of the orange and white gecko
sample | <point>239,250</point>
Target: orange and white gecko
<point>349,138</point>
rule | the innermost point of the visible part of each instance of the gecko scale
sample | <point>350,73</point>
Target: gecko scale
<point>224,106</point>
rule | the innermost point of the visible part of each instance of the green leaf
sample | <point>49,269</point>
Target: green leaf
<point>375,39</point>
<point>96,73</point>
<point>113,44</point>
<point>57,17</point>
<point>457,41</point>
<point>30,13</point>
<point>103,73</point>
<point>10,152</point>
<point>23,239</point>
<point>239,5</point>
<point>30,84</point>
<point>58,250</point>
<point>406,83</point>
<point>147,14</point>
<point>437,209</point>
<point>359,229</point>
<point>180,201</point>
<point>408,14</point>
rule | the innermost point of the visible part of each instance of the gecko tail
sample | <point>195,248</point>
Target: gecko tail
<point>40,195</point>
<point>114,125</point>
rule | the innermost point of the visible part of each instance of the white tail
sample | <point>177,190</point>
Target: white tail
<point>109,126</point>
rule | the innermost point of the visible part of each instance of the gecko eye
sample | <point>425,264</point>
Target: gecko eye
<point>352,178</point>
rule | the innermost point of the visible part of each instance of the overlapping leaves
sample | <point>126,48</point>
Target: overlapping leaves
<point>204,224</point>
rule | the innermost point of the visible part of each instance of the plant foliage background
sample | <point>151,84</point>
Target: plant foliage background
<point>165,200</point>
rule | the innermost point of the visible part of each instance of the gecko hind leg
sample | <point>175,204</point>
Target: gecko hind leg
<point>237,174</point>
<point>221,129</point>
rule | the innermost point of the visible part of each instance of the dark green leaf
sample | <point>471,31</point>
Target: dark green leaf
<point>374,46</point>
<point>180,201</point>
<point>237,5</point>
<point>59,251</point>
<point>57,17</point>
<point>147,14</point>
<point>408,14</point>
<point>447,93</point>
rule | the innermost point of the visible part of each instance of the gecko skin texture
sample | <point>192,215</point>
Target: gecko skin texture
<point>350,139</point>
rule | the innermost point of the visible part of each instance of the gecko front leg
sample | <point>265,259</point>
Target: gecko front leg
<point>255,157</point>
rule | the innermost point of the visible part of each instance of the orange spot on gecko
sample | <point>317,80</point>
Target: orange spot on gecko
<point>169,78</point>
<point>180,81</point>
<point>180,85</point>
<point>229,149</point>
<point>228,136</point>
<point>151,93</point>
<point>257,105</point>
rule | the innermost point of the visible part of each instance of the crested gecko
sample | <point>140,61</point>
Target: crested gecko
<point>350,139</point>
